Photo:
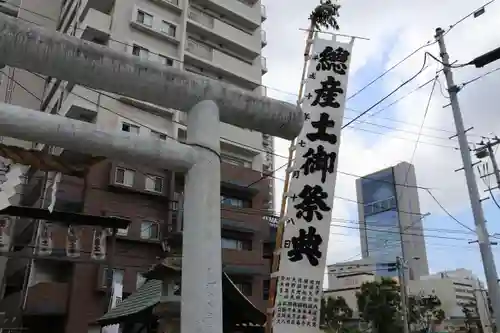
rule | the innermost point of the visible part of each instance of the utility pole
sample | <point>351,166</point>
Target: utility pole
<point>400,266</point>
<point>477,210</point>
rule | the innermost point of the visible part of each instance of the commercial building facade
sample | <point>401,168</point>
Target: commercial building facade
<point>390,219</point>
<point>220,39</point>
<point>457,290</point>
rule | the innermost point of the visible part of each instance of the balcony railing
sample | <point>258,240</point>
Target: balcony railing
<point>201,18</point>
<point>200,50</point>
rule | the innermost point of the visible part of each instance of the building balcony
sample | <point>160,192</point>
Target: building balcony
<point>44,299</point>
<point>243,12</point>
<point>203,55</point>
<point>104,6</point>
<point>169,4</point>
<point>155,28</point>
<point>15,268</point>
<point>238,178</point>
<point>47,298</point>
<point>220,32</point>
<point>80,104</point>
<point>95,26</point>
<point>10,7</point>
<point>263,13</point>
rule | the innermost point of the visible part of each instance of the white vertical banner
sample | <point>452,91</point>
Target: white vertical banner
<point>310,195</point>
<point>45,239</point>
<point>10,179</point>
<point>116,298</point>
<point>99,244</point>
<point>5,229</point>
<point>53,190</point>
<point>73,242</point>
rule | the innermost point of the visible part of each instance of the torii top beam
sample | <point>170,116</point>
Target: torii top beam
<point>51,53</point>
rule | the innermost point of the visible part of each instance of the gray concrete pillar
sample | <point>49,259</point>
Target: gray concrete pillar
<point>201,306</point>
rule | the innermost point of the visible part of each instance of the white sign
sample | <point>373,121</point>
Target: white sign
<point>116,298</point>
<point>310,196</point>
<point>73,242</point>
<point>99,244</point>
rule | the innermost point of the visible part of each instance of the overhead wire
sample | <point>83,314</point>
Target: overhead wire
<point>173,138</point>
<point>389,94</point>
<point>175,60</point>
<point>251,184</point>
<point>351,95</point>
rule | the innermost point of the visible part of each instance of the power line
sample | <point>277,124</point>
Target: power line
<point>179,61</point>
<point>429,43</point>
<point>227,139</point>
<point>425,45</point>
<point>448,213</point>
<point>263,177</point>
<point>462,85</point>
<point>388,95</point>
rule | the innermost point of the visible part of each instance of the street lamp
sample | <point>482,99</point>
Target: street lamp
<point>486,58</point>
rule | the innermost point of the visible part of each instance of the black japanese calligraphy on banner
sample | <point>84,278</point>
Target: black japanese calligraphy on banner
<point>305,244</point>
<point>298,305</point>
<point>332,60</point>
<point>312,203</point>
<point>311,190</point>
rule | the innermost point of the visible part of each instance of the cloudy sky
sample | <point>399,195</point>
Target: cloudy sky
<point>395,29</point>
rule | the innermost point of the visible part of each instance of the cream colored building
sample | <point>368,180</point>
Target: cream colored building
<point>455,289</point>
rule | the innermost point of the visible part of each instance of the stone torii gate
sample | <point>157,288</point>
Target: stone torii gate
<point>206,102</point>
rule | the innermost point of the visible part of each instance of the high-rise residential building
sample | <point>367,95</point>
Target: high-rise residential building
<point>390,221</point>
<point>219,39</point>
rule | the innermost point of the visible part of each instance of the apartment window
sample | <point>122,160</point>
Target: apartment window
<point>235,202</point>
<point>150,230</point>
<point>166,60</point>
<point>139,281</point>
<point>130,128</point>
<point>159,135</point>
<point>144,18</point>
<point>245,287</point>
<point>124,176</point>
<point>265,289</point>
<point>236,161</point>
<point>236,244</point>
<point>154,183</point>
<point>140,52</point>
<point>168,28</point>
<point>117,276</point>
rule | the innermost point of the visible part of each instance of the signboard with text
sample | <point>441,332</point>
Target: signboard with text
<point>310,195</point>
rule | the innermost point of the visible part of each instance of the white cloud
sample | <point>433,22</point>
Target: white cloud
<point>398,27</point>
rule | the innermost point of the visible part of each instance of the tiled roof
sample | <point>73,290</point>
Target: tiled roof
<point>235,303</point>
<point>147,296</point>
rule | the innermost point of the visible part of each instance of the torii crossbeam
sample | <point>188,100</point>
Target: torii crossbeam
<point>51,53</point>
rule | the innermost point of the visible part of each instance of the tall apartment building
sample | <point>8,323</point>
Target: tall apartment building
<point>220,39</point>
<point>390,221</point>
